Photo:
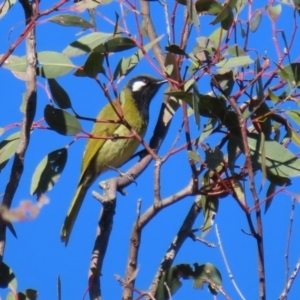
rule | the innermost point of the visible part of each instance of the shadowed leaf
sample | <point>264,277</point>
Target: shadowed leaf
<point>48,171</point>
<point>61,121</point>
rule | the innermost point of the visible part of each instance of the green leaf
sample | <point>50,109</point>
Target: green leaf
<point>192,14</point>
<point>291,73</point>
<point>224,13</point>
<point>196,101</point>
<point>86,44</point>
<point>207,273</point>
<point>270,193</point>
<point>171,279</point>
<point>232,147</point>
<point>239,192</point>
<point>7,277</point>
<point>217,36</point>
<point>8,148</point>
<point>274,11</point>
<point>94,65</point>
<point>16,64</point>
<point>61,121</point>
<point>210,205</point>
<point>255,20</point>
<point>6,6</point>
<point>82,6</point>
<point>59,95</point>
<point>48,171</point>
<point>235,62</point>
<point>208,129</point>
<point>225,82</point>
<point>279,160</point>
<point>70,20</point>
<point>214,158</point>
<point>53,64</point>
<point>212,7</point>
<point>193,155</point>
<point>294,115</point>
<point>236,51</point>
<point>293,135</point>
<point>126,65</point>
<point>117,44</point>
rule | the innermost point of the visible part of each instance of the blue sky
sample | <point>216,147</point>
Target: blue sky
<point>37,257</point>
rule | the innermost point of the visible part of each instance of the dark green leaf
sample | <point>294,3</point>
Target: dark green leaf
<point>171,279</point>
<point>175,49</point>
<point>212,7</point>
<point>86,44</point>
<point>196,101</point>
<point>225,82</point>
<point>61,121</point>
<point>214,158</point>
<point>270,194</point>
<point>117,44</point>
<point>94,65</point>
<point>53,64</point>
<point>28,294</point>
<point>7,277</point>
<point>8,148</point>
<point>59,95</point>
<point>207,273</point>
<point>232,147</point>
<point>48,171</point>
<point>70,20</point>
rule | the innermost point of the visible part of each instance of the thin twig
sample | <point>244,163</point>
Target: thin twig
<point>290,282</point>
<point>288,244</point>
<point>226,263</point>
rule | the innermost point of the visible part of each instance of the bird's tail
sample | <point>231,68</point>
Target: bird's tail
<point>73,213</point>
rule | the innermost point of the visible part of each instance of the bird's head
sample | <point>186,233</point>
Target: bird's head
<point>144,87</point>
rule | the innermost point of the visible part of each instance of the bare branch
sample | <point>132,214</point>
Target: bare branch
<point>30,109</point>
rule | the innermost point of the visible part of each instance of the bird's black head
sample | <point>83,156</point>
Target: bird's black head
<point>143,88</point>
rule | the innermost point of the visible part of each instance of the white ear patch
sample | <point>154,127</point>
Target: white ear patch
<point>138,85</point>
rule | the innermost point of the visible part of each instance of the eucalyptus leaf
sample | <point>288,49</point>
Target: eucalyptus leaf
<point>86,43</point>
<point>61,121</point>
<point>70,20</point>
<point>53,64</point>
<point>59,95</point>
<point>8,148</point>
<point>48,171</point>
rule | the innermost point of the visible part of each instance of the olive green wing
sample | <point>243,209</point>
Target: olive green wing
<point>94,145</point>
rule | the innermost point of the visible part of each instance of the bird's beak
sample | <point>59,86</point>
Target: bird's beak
<point>159,82</point>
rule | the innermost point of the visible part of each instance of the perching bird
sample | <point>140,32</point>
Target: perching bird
<point>100,154</point>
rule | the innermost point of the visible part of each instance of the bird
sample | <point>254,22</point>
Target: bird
<point>102,154</point>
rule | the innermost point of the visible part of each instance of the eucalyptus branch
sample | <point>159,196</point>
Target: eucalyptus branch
<point>30,11</point>
<point>290,281</point>
<point>184,232</point>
